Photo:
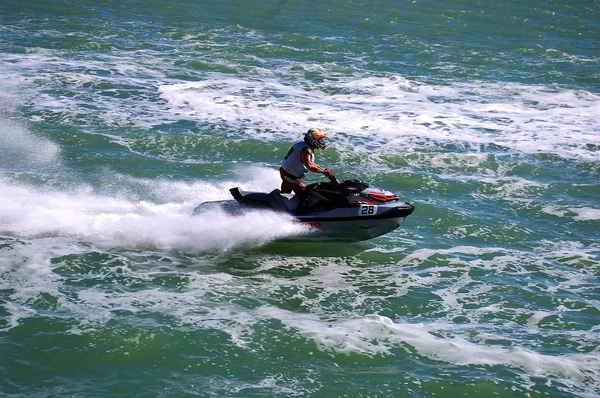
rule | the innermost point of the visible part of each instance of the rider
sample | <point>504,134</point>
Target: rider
<point>298,161</point>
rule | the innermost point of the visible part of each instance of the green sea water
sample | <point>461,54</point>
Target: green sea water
<point>117,118</point>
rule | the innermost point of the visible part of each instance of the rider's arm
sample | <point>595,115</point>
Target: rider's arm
<point>312,166</point>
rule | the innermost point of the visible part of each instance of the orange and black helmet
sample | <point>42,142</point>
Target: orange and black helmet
<point>315,138</point>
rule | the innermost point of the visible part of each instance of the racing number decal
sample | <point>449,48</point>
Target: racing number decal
<point>367,210</point>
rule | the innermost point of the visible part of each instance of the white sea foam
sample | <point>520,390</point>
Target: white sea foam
<point>117,218</point>
<point>383,114</point>
<point>19,147</point>
<point>204,303</point>
<point>378,335</point>
<point>369,335</point>
<point>393,113</point>
<point>586,213</point>
<point>580,213</point>
<point>27,212</point>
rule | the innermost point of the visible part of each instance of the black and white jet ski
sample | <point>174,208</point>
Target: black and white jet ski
<point>349,210</point>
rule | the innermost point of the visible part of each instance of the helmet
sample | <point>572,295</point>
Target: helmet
<point>315,138</point>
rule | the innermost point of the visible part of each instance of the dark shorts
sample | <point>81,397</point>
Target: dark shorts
<point>291,183</point>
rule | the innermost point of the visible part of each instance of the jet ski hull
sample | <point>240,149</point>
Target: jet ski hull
<point>351,229</point>
<point>338,219</point>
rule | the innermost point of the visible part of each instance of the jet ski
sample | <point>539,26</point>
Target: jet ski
<point>348,210</point>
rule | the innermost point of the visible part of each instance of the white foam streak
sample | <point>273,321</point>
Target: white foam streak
<point>386,114</point>
<point>586,213</point>
<point>581,213</point>
<point>529,119</point>
<point>378,335</point>
<point>115,222</point>
<point>19,147</point>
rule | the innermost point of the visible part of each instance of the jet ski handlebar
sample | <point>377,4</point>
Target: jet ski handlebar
<point>329,174</point>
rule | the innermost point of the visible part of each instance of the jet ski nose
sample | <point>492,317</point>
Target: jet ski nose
<point>402,210</point>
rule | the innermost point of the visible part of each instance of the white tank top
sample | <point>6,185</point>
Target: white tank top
<point>293,163</point>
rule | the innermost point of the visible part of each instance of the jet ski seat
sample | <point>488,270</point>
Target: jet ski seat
<point>274,199</point>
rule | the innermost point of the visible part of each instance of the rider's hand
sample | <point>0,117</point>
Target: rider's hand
<point>327,173</point>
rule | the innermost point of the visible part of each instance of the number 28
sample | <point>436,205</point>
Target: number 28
<point>367,210</point>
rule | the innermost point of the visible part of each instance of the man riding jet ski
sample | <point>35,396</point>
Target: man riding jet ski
<point>299,160</point>
<point>349,210</point>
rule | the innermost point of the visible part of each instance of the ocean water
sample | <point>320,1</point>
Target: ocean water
<point>118,117</point>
